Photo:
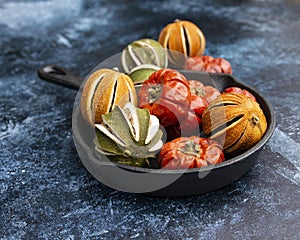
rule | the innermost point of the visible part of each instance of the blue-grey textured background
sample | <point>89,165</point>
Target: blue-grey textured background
<point>46,193</point>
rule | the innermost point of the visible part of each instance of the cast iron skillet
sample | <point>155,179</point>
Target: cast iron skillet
<point>159,182</point>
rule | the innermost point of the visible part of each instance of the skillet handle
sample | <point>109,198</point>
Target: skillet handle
<point>60,76</point>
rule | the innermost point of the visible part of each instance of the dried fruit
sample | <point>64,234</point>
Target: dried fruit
<point>184,37</point>
<point>103,90</point>
<point>129,135</point>
<point>166,94</point>
<point>144,51</point>
<point>199,90</point>
<point>190,152</point>
<point>208,64</point>
<point>236,121</point>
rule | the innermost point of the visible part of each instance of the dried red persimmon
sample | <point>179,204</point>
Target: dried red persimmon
<point>166,94</point>
<point>190,152</point>
<point>208,64</point>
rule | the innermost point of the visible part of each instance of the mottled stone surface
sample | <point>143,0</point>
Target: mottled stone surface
<point>46,193</point>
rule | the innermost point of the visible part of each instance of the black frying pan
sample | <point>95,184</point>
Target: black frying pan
<point>159,182</point>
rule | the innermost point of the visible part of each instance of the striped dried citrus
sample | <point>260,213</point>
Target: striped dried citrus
<point>103,91</point>
<point>234,120</point>
<point>184,37</point>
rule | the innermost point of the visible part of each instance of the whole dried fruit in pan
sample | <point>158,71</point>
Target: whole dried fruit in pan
<point>129,135</point>
<point>234,120</point>
<point>184,37</point>
<point>144,51</point>
<point>103,91</point>
<point>208,64</point>
<point>190,152</point>
<point>166,94</point>
<point>240,91</point>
